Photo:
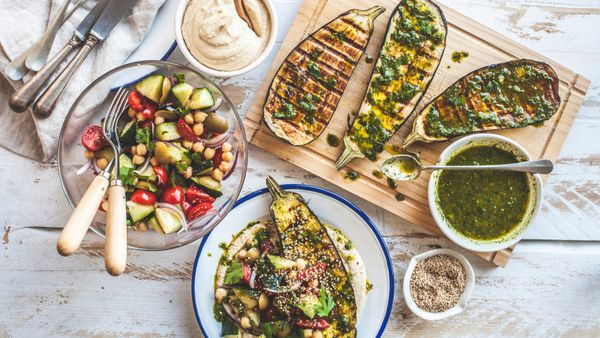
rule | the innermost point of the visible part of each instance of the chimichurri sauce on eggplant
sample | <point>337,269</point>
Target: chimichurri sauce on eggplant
<point>483,205</point>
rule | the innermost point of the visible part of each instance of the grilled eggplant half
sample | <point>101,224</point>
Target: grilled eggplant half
<point>302,236</point>
<point>411,53</point>
<point>513,94</point>
<point>310,82</point>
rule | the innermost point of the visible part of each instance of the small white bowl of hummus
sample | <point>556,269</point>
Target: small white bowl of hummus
<point>217,41</point>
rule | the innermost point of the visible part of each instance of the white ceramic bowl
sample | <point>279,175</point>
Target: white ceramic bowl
<point>462,301</point>
<point>535,196</point>
<point>222,73</point>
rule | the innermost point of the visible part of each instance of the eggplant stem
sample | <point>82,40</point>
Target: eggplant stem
<point>371,13</point>
<point>410,139</point>
<point>350,153</point>
<point>274,188</point>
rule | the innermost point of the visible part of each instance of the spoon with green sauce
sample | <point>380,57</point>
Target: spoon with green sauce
<point>405,167</point>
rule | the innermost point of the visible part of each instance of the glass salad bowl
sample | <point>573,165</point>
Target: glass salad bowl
<point>76,172</point>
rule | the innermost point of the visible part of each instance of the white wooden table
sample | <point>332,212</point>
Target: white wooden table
<point>550,287</point>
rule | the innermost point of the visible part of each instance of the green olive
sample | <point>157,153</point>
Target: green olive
<point>216,123</point>
<point>166,88</point>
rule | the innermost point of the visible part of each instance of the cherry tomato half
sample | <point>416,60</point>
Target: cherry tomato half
<point>93,138</point>
<point>149,109</point>
<point>246,273</point>
<point>161,173</point>
<point>173,195</point>
<point>136,101</point>
<point>186,131</point>
<point>196,195</point>
<point>218,158</point>
<point>144,197</point>
<point>186,206</point>
<point>198,210</point>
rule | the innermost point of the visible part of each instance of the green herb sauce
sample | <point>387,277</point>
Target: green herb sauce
<point>483,205</point>
<point>459,55</point>
<point>333,140</point>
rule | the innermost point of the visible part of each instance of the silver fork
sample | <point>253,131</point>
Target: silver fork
<point>115,246</point>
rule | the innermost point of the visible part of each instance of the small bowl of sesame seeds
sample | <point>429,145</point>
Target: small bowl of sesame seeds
<point>438,284</point>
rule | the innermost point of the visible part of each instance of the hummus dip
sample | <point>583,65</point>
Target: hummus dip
<point>218,38</point>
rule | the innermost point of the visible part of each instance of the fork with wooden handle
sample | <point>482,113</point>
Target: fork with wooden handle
<point>83,215</point>
<point>115,246</point>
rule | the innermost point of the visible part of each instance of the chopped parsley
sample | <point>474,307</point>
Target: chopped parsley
<point>287,112</point>
<point>325,305</point>
<point>233,275</point>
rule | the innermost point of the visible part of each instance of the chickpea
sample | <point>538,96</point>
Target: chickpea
<point>317,334</point>
<point>141,226</point>
<point>88,154</point>
<point>154,161</point>
<point>308,333</point>
<point>133,150</point>
<point>227,156</point>
<point>199,117</point>
<point>188,118</point>
<point>140,117</point>
<point>141,150</point>
<point>226,147</point>
<point>131,113</point>
<point>102,163</point>
<point>209,153</point>
<point>300,264</point>
<point>217,175</point>
<point>245,322</point>
<point>187,144</point>
<point>198,129</point>
<point>159,120</point>
<point>105,205</point>
<point>313,283</point>
<point>252,254</point>
<point>220,294</point>
<point>198,147</point>
<point>187,173</point>
<point>224,166</point>
<point>292,274</point>
<point>263,302</point>
<point>138,159</point>
<point>242,254</point>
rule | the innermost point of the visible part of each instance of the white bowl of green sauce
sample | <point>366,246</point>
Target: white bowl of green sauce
<point>484,211</point>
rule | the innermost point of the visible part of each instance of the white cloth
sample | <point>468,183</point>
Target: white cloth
<point>23,22</point>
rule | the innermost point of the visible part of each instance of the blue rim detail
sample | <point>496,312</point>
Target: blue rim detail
<point>335,196</point>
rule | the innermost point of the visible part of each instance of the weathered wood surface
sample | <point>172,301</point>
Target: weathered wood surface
<point>549,288</point>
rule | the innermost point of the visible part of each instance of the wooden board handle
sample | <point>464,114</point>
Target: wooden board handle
<point>81,218</point>
<point>115,247</point>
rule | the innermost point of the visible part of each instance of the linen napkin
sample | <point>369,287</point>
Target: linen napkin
<point>23,22</point>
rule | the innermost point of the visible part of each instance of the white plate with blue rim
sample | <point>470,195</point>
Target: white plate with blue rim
<point>331,209</point>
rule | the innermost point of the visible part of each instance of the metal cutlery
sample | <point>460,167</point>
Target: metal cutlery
<point>115,246</point>
<point>17,68</point>
<point>112,14</point>
<point>38,56</point>
<point>25,95</point>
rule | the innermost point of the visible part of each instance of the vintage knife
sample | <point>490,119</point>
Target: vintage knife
<point>25,95</point>
<point>112,14</point>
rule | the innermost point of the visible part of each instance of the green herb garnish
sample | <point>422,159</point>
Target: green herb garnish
<point>234,273</point>
<point>325,305</point>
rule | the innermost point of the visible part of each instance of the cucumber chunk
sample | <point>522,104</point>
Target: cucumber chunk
<point>166,131</point>
<point>153,223</point>
<point>146,186</point>
<point>166,89</point>
<point>151,87</point>
<point>209,185</point>
<point>167,153</point>
<point>308,303</point>
<point>138,211</point>
<point>148,174</point>
<point>127,135</point>
<point>201,98</point>
<point>182,92</point>
<point>168,220</point>
<point>280,263</point>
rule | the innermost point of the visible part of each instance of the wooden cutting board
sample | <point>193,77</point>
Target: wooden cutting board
<point>484,46</point>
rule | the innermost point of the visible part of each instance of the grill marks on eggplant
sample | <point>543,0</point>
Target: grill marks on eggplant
<point>310,82</point>
<point>513,94</point>
<point>412,50</point>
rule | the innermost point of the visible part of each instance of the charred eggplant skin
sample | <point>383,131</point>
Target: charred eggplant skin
<point>302,236</point>
<point>512,94</point>
<point>414,44</point>
<point>309,83</point>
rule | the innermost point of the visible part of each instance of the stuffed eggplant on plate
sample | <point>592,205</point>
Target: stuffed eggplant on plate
<point>289,276</point>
